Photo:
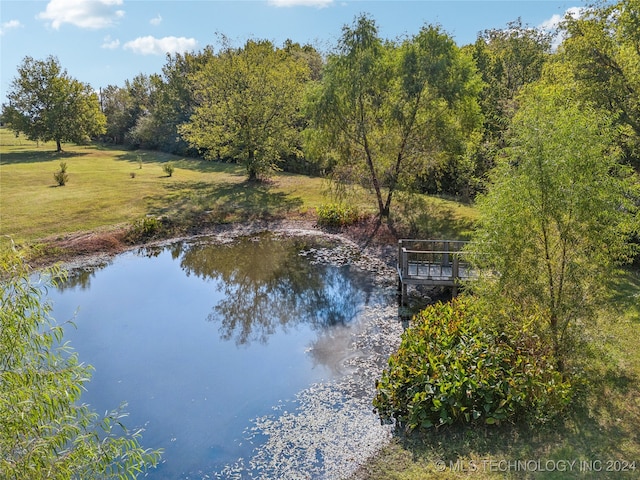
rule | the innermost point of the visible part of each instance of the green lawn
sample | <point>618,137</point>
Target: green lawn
<point>111,186</point>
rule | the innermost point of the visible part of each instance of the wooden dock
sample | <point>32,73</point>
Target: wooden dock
<point>431,263</point>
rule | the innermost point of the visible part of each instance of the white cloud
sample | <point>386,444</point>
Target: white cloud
<point>110,44</point>
<point>10,25</point>
<point>160,46</point>
<point>156,20</point>
<point>551,24</point>
<point>300,3</point>
<point>92,14</point>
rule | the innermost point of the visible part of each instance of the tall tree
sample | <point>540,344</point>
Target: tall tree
<point>602,47</point>
<point>248,106</point>
<point>172,104</point>
<point>507,59</point>
<point>555,219</point>
<point>125,106</point>
<point>115,102</point>
<point>46,104</point>
<point>387,111</point>
<point>45,432</point>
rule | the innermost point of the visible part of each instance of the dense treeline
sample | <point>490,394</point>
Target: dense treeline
<point>417,114</point>
<point>450,107</point>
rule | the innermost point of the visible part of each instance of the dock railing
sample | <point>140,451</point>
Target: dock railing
<point>432,263</point>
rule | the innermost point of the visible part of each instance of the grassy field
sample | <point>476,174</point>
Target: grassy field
<point>109,187</point>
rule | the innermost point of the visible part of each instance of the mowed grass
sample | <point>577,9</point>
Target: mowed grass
<point>110,187</point>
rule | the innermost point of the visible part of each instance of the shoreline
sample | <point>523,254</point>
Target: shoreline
<point>372,343</point>
<point>78,249</point>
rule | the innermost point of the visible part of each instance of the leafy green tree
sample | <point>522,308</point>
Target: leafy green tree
<point>125,106</point>
<point>248,106</point>
<point>45,432</point>
<point>46,104</point>
<point>114,101</point>
<point>555,220</point>
<point>602,47</point>
<point>507,59</point>
<point>171,104</point>
<point>386,112</point>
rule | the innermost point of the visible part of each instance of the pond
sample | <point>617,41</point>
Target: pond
<point>252,357</point>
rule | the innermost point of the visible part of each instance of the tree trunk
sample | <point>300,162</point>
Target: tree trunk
<point>58,146</point>
<point>251,168</point>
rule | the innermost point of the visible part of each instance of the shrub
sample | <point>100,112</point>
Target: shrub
<point>449,369</point>
<point>144,229</point>
<point>61,176</point>
<point>168,169</point>
<point>337,215</point>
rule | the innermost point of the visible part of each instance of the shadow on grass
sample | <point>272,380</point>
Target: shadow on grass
<point>625,294</point>
<point>34,156</point>
<point>222,201</point>
<point>195,164</point>
<point>430,218</point>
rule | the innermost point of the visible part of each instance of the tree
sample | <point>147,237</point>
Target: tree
<point>115,103</point>
<point>125,106</point>
<point>602,47</point>
<point>44,430</point>
<point>171,105</point>
<point>507,59</point>
<point>46,104</point>
<point>387,112</point>
<point>555,220</point>
<point>248,106</point>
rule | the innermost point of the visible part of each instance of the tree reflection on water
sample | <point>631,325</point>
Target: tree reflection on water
<point>268,286</point>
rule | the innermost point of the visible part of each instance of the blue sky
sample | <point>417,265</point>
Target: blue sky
<point>105,42</point>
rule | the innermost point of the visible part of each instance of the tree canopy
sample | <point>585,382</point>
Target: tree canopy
<point>555,220</point>
<point>46,104</point>
<point>248,106</point>
<point>386,111</point>
<point>602,49</point>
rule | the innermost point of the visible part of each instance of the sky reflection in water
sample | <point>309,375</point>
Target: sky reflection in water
<point>201,338</point>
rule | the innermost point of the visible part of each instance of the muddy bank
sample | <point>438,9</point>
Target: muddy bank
<point>98,246</point>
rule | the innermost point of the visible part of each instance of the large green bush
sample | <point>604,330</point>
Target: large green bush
<point>337,215</point>
<point>451,369</point>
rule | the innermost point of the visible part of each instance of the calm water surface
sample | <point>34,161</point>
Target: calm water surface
<point>201,338</point>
